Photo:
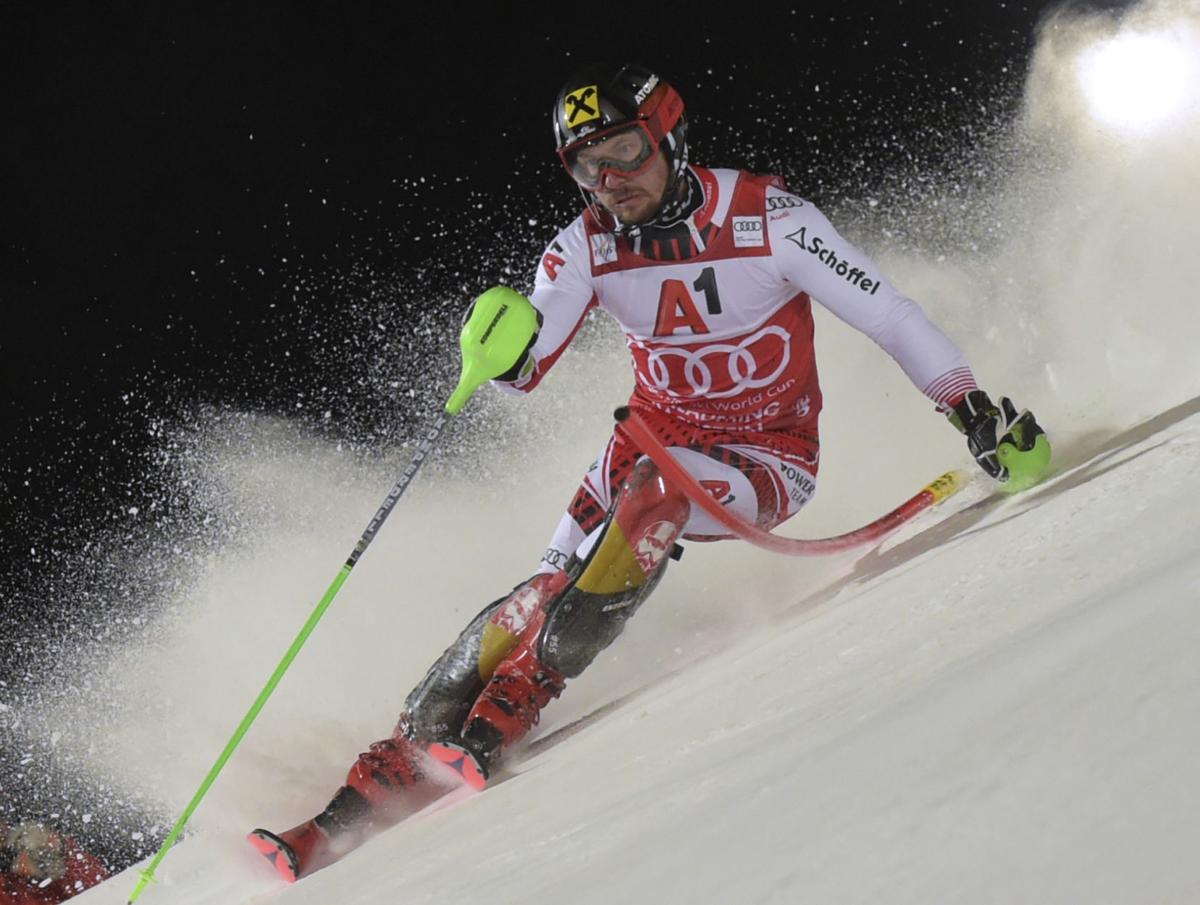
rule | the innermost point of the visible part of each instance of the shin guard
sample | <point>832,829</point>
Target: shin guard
<point>625,565</point>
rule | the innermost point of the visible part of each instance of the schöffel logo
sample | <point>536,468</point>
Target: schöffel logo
<point>779,203</point>
<point>747,232</point>
<point>816,246</point>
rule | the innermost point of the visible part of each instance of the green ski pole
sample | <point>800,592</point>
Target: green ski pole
<point>498,331</point>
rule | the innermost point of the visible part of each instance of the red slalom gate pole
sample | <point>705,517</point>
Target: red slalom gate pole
<point>930,495</point>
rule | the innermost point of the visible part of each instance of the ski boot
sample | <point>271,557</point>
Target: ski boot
<point>509,706</point>
<point>308,847</point>
<point>386,783</point>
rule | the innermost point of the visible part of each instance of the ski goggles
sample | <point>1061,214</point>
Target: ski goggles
<point>627,149</point>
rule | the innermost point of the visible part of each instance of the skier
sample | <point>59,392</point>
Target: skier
<point>710,273</point>
<point>38,866</point>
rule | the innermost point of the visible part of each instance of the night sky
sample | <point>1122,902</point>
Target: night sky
<point>257,205</point>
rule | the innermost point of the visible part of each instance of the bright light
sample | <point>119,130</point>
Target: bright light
<point>1139,81</point>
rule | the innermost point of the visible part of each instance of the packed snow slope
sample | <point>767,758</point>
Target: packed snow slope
<point>996,706</point>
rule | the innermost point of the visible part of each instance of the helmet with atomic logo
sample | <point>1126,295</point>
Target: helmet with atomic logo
<point>628,110</point>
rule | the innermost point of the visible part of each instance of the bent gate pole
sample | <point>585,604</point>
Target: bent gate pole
<point>931,494</point>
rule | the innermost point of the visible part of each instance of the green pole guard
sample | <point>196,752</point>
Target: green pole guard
<point>498,331</point>
<point>1025,467</point>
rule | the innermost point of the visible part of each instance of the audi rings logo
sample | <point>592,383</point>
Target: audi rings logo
<point>747,232</point>
<point>718,370</point>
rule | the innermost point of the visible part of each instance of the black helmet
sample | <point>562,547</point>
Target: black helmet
<point>598,103</point>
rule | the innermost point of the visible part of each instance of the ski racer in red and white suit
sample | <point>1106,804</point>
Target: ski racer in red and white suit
<point>712,275</point>
<point>40,866</point>
<point>722,345</point>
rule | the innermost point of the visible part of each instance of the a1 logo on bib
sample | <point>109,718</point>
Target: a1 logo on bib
<point>747,232</point>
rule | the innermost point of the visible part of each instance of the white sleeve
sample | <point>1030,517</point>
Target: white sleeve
<point>563,295</point>
<point>811,255</point>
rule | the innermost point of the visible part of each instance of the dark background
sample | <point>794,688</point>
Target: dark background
<point>253,208</point>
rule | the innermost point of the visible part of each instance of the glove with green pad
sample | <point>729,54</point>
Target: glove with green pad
<point>1009,445</point>
<point>500,328</point>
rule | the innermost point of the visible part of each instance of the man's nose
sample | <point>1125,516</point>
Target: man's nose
<point>611,179</point>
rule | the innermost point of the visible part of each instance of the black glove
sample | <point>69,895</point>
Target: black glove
<point>515,372</point>
<point>988,426</point>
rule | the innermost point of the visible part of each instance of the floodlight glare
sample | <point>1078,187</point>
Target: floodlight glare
<point>1137,82</point>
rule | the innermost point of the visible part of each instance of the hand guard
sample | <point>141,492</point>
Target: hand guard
<point>498,331</point>
<point>1005,443</point>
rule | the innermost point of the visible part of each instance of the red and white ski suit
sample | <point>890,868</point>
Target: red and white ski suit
<point>718,321</point>
<point>83,871</point>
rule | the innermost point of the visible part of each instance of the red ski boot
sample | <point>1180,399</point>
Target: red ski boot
<point>388,776</point>
<point>386,783</point>
<point>318,842</point>
<point>509,706</point>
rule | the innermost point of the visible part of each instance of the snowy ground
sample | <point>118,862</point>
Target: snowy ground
<point>997,706</point>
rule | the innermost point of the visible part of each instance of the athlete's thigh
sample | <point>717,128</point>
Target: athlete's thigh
<point>759,485</point>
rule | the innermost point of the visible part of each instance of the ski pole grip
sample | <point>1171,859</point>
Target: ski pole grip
<point>499,328</point>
